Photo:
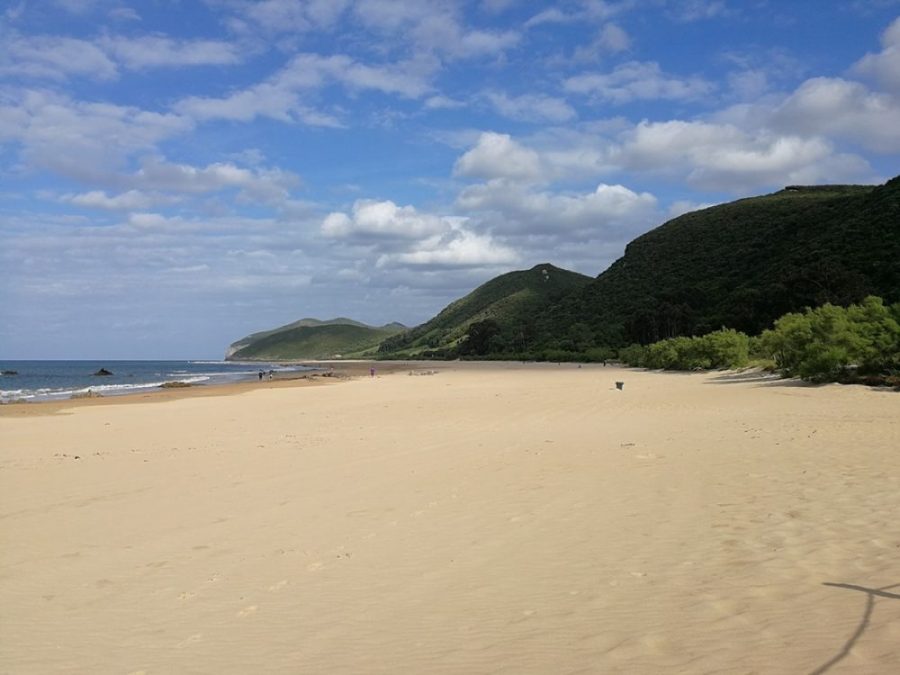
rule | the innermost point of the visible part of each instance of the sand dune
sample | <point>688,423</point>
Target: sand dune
<point>481,520</point>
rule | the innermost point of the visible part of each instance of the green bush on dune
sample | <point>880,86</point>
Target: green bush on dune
<point>724,348</point>
<point>826,344</point>
<point>830,343</point>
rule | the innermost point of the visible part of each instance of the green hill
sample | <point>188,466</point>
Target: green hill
<point>312,339</point>
<point>740,265</point>
<point>510,300</point>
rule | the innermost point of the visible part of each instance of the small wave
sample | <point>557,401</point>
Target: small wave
<point>48,394</point>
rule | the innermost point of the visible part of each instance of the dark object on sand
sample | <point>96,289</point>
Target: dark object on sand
<point>620,386</point>
<point>103,372</point>
<point>175,385</point>
<point>10,372</point>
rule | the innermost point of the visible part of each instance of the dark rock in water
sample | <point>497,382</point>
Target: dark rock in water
<point>10,372</point>
<point>103,372</point>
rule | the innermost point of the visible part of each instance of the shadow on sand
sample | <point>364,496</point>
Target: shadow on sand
<point>760,378</point>
<point>871,594</point>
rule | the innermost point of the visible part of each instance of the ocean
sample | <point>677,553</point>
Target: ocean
<point>55,380</point>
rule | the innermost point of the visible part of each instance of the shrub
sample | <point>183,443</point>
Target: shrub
<point>825,343</point>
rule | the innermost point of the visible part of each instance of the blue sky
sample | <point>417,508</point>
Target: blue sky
<point>177,174</point>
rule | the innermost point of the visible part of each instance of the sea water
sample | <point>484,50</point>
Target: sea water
<point>55,380</point>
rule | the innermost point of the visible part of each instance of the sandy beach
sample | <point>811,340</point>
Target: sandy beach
<point>480,519</point>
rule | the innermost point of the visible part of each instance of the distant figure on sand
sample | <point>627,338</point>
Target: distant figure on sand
<point>260,376</point>
<point>371,372</point>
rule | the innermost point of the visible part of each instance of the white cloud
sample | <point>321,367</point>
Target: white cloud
<point>258,185</point>
<point>83,140</point>
<point>682,206</point>
<point>279,96</point>
<point>722,156</point>
<point>283,16</point>
<point>402,236</point>
<point>124,14</point>
<point>531,107</point>
<point>159,52</point>
<point>638,81</point>
<point>457,247</point>
<point>55,58</point>
<point>520,210</point>
<point>610,39</point>
<point>842,109</point>
<point>696,10</point>
<point>499,156</point>
<point>432,26</point>
<point>384,219</point>
<point>884,67</point>
<point>126,201</point>
<point>549,16</point>
<point>440,102</point>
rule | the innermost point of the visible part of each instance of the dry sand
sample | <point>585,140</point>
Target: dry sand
<point>480,520</point>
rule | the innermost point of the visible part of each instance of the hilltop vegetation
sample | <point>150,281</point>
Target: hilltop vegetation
<point>507,304</point>
<point>741,265</point>
<point>312,339</point>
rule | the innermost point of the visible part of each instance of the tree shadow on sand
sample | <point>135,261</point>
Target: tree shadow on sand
<point>871,594</point>
<point>760,378</point>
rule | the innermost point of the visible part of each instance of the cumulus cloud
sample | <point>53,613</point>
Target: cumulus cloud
<point>402,236</point>
<point>455,248</point>
<point>884,66</point>
<point>722,156</point>
<point>382,219</point>
<point>518,209</point>
<point>637,80</point>
<point>499,156</point>
<point>843,109</point>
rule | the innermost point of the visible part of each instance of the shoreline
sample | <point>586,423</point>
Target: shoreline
<point>326,372</point>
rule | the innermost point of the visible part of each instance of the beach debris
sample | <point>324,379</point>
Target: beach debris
<point>175,384</point>
<point>620,386</point>
<point>103,372</point>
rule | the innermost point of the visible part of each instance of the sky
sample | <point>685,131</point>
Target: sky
<point>176,174</point>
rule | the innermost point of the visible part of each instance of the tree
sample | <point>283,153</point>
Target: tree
<point>479,337</point>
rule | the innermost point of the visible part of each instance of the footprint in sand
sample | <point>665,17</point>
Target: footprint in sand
<point>278,586</point>
<point>186,595</point>
<point>247,611</point>
<point>315,566</point>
